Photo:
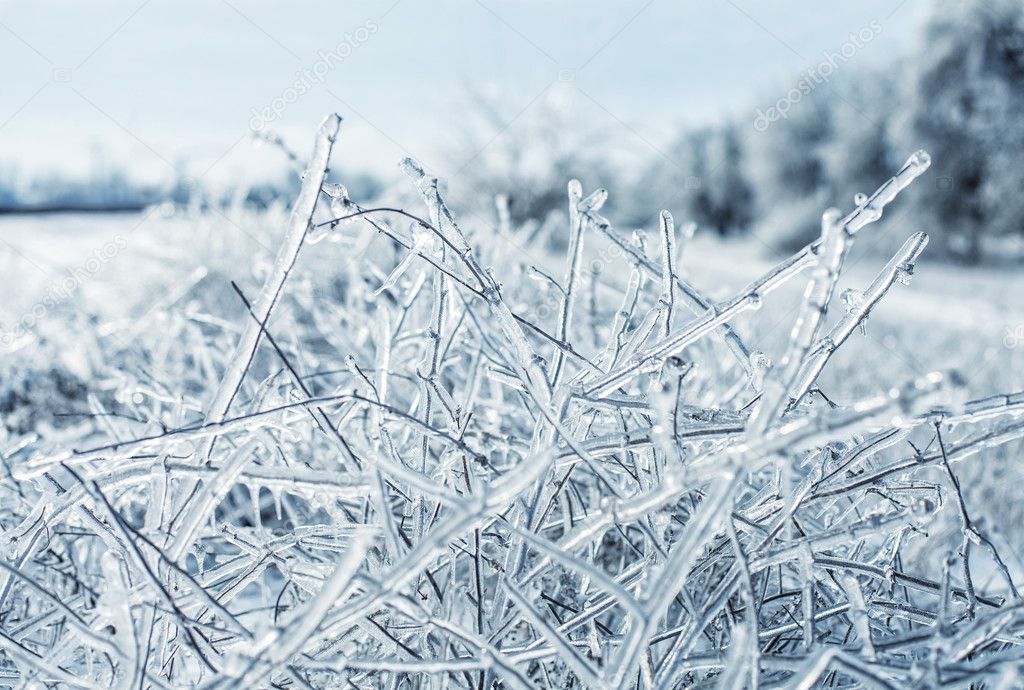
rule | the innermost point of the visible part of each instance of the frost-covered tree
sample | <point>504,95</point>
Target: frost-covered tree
<point>524,155</point>
<point>961,95</point>
<point>702,178</point>
<point>859,152</point>
<point>966,98</point>
<point>674,179</point>
<point>728,198</point>
<point>787,157</point>
<point>788,165</point>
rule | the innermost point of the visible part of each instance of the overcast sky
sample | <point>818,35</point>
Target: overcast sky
<point>151,84</point>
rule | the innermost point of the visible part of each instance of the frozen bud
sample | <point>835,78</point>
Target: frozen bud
<point>837,448</point>
<point>923,507</point>
<point>870,214</point>
<point>831,217</point>
<point>421,235</point>
<point>759,360</point>
<point>594,201</point>
<point>341,205</point>
<point>539,276</point>
<point>919,161</point>
<point>336,191</point>
<point>412,168</point>
<point>575,189</point>
<point>852,299</point>
<point>674,364</point>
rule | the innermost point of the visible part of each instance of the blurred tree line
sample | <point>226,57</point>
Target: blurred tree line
<point>960,96</point>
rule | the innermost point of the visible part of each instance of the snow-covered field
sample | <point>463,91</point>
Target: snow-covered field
<point>971,318</point>
<point>428,454</point>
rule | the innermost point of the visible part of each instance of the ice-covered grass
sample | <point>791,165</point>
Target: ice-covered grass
<point>403,457</point>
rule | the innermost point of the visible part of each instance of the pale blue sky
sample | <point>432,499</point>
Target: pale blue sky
<point>151,83</point>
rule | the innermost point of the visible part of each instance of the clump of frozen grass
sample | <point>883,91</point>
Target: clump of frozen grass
<point>446,471</point>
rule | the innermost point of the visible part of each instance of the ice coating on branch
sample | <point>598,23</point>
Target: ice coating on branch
<point>870,210</point>
<point>301,215</point>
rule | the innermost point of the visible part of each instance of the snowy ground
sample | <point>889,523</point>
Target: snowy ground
<point>949,317</point>
<point>136,312</point>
